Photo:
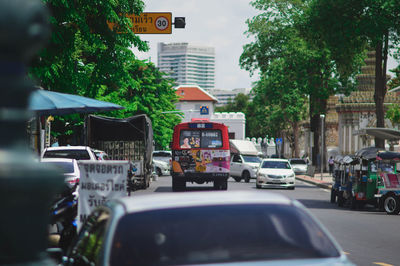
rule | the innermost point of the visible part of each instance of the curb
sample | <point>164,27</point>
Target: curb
<point>316,183</point>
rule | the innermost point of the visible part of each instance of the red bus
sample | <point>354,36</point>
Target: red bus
<point>200,153</point>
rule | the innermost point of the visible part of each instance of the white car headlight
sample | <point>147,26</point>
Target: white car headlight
<point>291,176</point>
<point>262,175</point>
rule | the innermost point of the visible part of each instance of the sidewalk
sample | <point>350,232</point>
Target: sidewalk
<point>325,182</point>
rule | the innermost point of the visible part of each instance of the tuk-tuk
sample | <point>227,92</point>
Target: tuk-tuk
<point>365,178</point>
<point>343,182</point>
<point>388,184</point>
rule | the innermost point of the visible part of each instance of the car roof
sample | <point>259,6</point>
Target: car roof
<point>198,199</point>
<point>275,160</point>
<point>57,160</point>
<point>67,148</point>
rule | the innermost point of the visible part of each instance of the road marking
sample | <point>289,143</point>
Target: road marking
<point>326,190</point>
<point>383,264</point>
<point>347,253</point>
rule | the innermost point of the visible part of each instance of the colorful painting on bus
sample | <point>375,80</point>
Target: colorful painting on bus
<point>203,161</point>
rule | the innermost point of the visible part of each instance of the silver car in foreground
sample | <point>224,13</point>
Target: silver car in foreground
<point>208,228</point>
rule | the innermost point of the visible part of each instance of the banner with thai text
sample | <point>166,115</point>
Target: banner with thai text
<point>99,182</point>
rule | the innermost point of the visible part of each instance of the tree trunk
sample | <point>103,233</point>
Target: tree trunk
<point>296,139</point>
<point>318,106</point>
<point>380,89</point>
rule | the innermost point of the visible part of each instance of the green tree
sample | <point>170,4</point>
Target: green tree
<point>85,57</point>
<point>239,104</point>
<point>348,27</point>
<point>393,114</point>
<point>242,103</point>
<point>278,89</point>
<point>288,60</point>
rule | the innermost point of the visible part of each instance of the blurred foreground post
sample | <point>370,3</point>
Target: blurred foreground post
<point>26,187</point>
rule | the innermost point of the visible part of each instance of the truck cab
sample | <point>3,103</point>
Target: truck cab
<point>244,160</point>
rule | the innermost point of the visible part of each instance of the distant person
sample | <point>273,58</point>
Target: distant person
<point>330,163</point>
<point>185,144</point>
<point>55,144</point>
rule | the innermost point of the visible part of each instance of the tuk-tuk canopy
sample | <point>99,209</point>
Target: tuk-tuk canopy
<point>350,159</point>
<point>338,159</point>
<point>388,155</point>
<point>368,153</point>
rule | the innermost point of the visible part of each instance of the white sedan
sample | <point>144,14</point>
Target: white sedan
<point>161,167</point>
<point>69,167</point>
<point>275,173</point>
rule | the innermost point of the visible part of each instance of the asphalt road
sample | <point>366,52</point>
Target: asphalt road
<point>369,237</point>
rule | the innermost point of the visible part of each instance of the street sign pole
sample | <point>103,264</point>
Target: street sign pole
<point>322,143</point>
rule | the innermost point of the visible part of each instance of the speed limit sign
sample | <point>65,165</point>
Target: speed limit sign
<point>162,23</point>
<point>148,23</point>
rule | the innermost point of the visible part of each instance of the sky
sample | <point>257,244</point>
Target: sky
<point>217,23</point>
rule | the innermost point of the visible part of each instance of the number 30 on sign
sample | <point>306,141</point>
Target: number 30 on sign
<point>162,23</point>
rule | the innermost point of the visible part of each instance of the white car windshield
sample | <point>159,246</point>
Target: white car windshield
<point>297,162</point>
<point>275,165</point>
<point>251,159</point>
<point>72,154</point>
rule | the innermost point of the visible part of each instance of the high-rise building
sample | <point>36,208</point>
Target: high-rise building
<point>188,64</point>
<point>226,96</point>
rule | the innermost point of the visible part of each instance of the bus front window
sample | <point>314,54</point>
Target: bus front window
<point>190,139</point>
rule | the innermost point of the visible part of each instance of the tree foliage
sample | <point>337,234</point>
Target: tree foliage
<point>243,103</point>
<point>294,69</point>
<point>85,57</point>
<point>348,27</point>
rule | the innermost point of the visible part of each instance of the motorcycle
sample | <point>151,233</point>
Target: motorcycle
<point>63,217</point>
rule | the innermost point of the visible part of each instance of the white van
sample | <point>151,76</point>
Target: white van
<point>244,160</point>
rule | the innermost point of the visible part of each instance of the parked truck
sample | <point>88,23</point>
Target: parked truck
<point>128,139</point>
<point>244,160</point>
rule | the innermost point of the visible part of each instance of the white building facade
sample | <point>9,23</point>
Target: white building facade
<point>236,123</point>
<point>188,64</point>
<point>194,102</point>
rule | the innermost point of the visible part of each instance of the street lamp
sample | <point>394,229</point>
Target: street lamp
<point>322,143</point>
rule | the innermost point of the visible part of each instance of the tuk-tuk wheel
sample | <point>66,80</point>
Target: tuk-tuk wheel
<point>333,196</point>
<point>340,199</point>
<point>392,204</point>
<point>354,203</point>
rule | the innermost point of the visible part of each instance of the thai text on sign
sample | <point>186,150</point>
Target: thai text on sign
<point>99,182</point>
<point>149,23</point>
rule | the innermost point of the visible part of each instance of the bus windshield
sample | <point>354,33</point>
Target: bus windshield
<point>190,139</point>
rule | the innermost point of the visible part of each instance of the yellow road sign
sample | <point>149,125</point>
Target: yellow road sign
<point>149,23</point>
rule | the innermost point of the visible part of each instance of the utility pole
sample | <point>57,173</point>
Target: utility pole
<point>322,143</point>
